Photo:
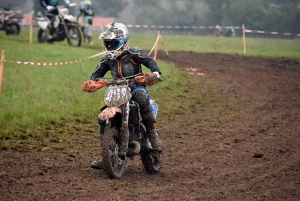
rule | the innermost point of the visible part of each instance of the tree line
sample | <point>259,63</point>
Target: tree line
<point>271,15</point>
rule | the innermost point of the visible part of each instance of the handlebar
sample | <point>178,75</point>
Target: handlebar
<point>130,80</point>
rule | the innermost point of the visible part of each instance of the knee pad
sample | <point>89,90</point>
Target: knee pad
<point>149,120</point>
<point>142,99</point>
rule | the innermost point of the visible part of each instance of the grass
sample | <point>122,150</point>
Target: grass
<point>254,46</point>
<point>39,104</point>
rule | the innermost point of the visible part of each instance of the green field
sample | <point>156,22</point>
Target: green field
<point>39,102</point>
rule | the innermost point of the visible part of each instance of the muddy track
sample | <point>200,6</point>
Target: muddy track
<point>251,153</point>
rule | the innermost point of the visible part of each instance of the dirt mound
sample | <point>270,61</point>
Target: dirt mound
<point>250,153</point>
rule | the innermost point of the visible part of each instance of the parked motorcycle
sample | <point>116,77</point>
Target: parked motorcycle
<point>9,22</point>
<point>122,115</point>
<point>68,28</point>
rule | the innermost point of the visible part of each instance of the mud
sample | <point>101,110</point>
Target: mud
<point>250,153</point>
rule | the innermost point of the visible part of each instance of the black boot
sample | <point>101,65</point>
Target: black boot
<point>154,139</point>
<point>151,132</point>
<point>98,164</point>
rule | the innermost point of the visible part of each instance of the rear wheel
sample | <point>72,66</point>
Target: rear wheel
<point>113,165</point>
<point>74,38</point>
<point>152,161</point>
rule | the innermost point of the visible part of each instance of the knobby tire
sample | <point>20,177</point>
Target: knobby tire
<point>110,156</point>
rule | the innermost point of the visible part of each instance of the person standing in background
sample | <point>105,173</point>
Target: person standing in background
<point>218,31</point>
<point>230,32</point>
<point>86,10</point>
<point>233,31</point>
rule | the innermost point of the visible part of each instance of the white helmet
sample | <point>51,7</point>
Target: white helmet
<point>115,38</point>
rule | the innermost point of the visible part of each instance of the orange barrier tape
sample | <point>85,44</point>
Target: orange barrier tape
<point>51,63</point>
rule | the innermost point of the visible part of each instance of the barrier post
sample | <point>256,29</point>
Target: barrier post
<point>166,50</point>
<point>156,47</point>
<point>30,29</point>
<point>244,38</point>
<point>2,68</point>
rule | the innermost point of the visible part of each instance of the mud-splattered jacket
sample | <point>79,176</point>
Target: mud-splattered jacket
<point>127,64</point>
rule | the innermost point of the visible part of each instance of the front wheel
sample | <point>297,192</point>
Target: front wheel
<point>113,165</point>
<point>74,38</point>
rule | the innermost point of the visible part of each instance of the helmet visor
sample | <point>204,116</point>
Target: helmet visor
<point>113,44</point>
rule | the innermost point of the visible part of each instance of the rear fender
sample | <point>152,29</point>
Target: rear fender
<point>109,113</point>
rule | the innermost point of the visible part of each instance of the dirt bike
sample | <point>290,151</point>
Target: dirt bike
<point>122,115</point>
<point>9,22</point>
<point>68,28</point>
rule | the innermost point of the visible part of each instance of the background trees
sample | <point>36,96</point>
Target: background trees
<point>271,15</point>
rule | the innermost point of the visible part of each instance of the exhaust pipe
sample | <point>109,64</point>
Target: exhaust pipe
<point>134,148</point>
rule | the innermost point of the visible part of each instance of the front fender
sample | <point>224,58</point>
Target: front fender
<point>43,23</point>
<point>109,112</point>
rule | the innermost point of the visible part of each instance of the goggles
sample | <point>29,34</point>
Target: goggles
<point>114,44</point>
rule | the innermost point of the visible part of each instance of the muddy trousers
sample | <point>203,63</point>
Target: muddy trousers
<point>141,96</point>
<point>151,132</point>
<point>51,15</point>
<point>88,20</point>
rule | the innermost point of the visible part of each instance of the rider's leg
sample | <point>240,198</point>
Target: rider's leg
<point>88,22</point>
<point>151,132</point>
<point>141,96</point>
<point>52,17</point>
<point>51,25</point>
<point>98,164</point>
<point>90,39</point>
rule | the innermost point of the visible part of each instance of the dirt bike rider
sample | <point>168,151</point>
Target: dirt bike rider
<point>86,10</point>
<point>3,10</point>
<point>218,30</point>
<point>51,12</point>
<point>123,61</point>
